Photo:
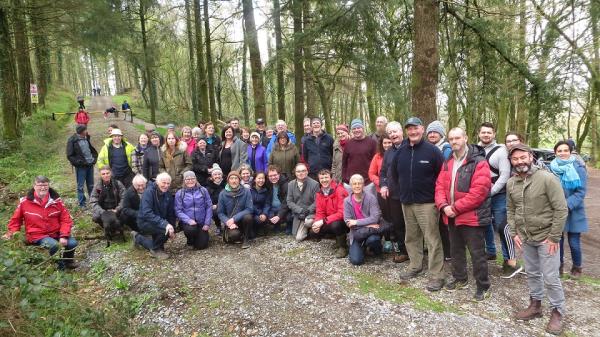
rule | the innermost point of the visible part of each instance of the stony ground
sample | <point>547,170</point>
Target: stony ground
<point>282,288</point>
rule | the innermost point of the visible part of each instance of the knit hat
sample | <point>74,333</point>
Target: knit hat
<point>234,173</point>
<point>216,168</point>
<point>342,127</point>
<point>170,126</point>
<point>80,128</point>
<point>255,134</point>
<point>189,174</point>
<point>436,126</point>
<point>357,123</point>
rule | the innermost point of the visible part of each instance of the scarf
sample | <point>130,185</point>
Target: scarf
<point>231,189</point>
<point>569,178</point>
<point>343,143</point>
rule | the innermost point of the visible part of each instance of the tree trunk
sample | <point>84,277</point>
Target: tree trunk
<point>192,73</point>
<point>371,104</point>
<point>23,60</point>
<point>244,88</point>
<point>298,68</point>
<point>426,60</point>
<point>209,64</point>
<point>203,97</point>
<point>42,52</point>
<point>309,74</point>
<point>8,78</point>
<point>148,64</point>
<point>520,106</point>
<point>595,106</point>
<point>279,60</point>
<point>258,86</point>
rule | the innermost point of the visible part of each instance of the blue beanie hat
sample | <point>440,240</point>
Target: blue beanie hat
<point>357,123</point>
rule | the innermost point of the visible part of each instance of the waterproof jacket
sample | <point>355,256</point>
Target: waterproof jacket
<point>175,167</point>
<point>157,210</point>
<point>302,202</point>
<point>105,151</point>
<point>472,184</point>
<point>51,220</point>
<point>214,143</point>
<point>239,153</point>
<point>260,158</point>
<point>193,204</point>
<point>74,154</point>
<point>130,205</point>
<point>234,204</point>
<point>214,190</point>
<point>260,200</point>
<point>336,161</point>
<point>386,177</point>
<point>318,152</point>
<point>330,207</point>
<point>285,158</point>
<point>576,220</point>
<point>375,170</point>
<point>416,168</point>
<point>99,195</point>
<point>536,208</point>
<point>201,162</point>
<point>151,162</point>
<point>82,117</point>
<point>369,208</point>
<point>282,188</point>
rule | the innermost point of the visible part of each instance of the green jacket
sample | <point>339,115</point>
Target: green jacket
<point>103,156</point>
<point>536,206</point>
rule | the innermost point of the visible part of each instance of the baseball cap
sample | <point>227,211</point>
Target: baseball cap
<point>413,121</point>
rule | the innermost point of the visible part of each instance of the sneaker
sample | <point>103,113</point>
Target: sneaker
<point>396,247</point>
<point>435,285</point>
<point>410,274</point>
<point>454,284</point>
<point>481,294</point>
<point>509,271</point>
<point>387,247</point>
<point>159,254</point>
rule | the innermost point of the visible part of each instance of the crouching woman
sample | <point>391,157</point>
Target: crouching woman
<point>193,208</point>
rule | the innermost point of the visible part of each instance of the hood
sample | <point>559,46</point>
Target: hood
<point>53,194</point>
<point>475,151</point>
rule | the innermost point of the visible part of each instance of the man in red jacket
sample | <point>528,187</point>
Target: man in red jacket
<point>329,214</point>
<point>47,222</point>
<point>462,194</point>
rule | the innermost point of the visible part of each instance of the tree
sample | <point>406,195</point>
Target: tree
<point>8,78</point>
<point>209,64</point>
<point>202,83</point>
<point>192,76</point>
<point>258,87</point>
<point>279,61</point>
<point>298,67</point>
<point>25,76</point>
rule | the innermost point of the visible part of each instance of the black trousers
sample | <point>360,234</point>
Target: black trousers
<point>242,232</point>
<point>399,226</point>
<point>473,238</point>
<point>130,222</point>
<point>336,228</point>
<point>196,237</point>
<point>384,205</point>
<point>445,236</point>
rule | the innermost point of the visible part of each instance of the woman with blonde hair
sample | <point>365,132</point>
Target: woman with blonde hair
<point>174,161</point>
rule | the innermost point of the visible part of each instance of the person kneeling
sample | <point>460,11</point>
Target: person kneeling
<point>193,208</point>
<point>362,215</point>
<point>130,204</point>
<point>301,201</point>
<point>235,211</point>
<point>47,222</point>
<point>329,216</point>
<point>261,202</point>
<point>156,217</point>
<point>106,197</point>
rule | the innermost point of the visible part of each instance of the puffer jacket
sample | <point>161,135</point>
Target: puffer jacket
<point>234,204</point>
<point>193,204</point>
<point>535,206</point>
<point>52,219</point>
<point>330,207</point>
<point>260,200</point>
<point>201,162</point>
<point>175,167</point>
<point>157,210</point>
<point>472,184</point>
<point>375,170</point>
<point>99,194</point>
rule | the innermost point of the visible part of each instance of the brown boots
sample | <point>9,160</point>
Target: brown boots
<point>576,273</point>
<point>535,311</point>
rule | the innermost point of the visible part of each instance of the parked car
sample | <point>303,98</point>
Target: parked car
<point>545,155</point>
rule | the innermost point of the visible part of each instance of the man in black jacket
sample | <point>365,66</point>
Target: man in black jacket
<point>82,156</point>
<point>131,202</point>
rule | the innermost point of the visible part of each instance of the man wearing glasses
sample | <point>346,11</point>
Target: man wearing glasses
<point>47,222</point>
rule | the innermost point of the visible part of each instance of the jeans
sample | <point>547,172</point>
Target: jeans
<point>53,245</point>
<point>575,245</point>
<point>196,236</point>
<point>85,175</point>
<point>422,223</point>
<point>471,238</point>
<point>500,225</point>
<point>542,272</point>
<point>157,238</point>
<point>356,253</point>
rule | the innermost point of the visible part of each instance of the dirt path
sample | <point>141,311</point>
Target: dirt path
<point>282,288</point>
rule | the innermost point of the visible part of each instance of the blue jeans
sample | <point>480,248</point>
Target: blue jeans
<point>356,253</point>
<point>85,175</point>
<point>52,245</point>
<point>154,242</point>
<point>575,245</point>
<point>499,224</point>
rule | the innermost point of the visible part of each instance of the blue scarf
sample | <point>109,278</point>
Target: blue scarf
<point>569,178</point>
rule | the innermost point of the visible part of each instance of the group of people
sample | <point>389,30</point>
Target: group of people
<point>411,190</point>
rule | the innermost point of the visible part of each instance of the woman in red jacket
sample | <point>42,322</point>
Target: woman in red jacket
<point>329,214</point>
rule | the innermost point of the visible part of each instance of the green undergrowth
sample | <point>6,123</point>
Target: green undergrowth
<point>398,293</point>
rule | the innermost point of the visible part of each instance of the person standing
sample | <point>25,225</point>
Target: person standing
<point>82,117</point>
<point>573,178</point>
<point>317,149</point>
<point>462,195</point>
<point>151,159</point>
<point>416,166</point>
<point>536,213</point>
<point>117,155</point>
<point>174,161</point>
<point>285,155</point>
<point>358,153</point>
<point>202,161</point>
<point>233,152</point>
<point>342,136</point>
<point>380,128</point>
<point>80,100</point>
<point>384,144</point>
<point>280,126</point>
<point>257,156</point>
<point>137,157</point>
<point>82,155</point>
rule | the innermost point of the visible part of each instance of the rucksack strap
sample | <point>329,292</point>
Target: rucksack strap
<point>495,170</point>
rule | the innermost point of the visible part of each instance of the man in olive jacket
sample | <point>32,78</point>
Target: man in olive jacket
<point>537,211</point>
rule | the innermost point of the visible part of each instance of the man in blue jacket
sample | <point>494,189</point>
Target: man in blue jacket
<point>156,217</point>
<point>416,167</point>
<point>235,211</point>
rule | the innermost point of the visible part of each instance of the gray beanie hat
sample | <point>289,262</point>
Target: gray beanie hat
<point>216,168</point>
<point>436,126</point>
<point>189,174</point>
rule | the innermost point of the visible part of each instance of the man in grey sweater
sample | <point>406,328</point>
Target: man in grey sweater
<point>497,157</point>
<point>301,197</point>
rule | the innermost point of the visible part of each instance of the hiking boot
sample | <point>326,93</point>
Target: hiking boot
<point>246,244</point>
<point>387,246</point>
<point>435,285</point>
<point>342,246</point>
<point>134,243</point>
<point>534,310</point>
<point>454,284</point>
<point>561,270</point>
<point>555,325</point>
<point>159,254</point>
<point>576,273</point>
<point>509,271</point>
<point>481,294</point>
<point>399,258</point>
<point>491,257</point>
<point>410,274</point>
<point>71,264</point>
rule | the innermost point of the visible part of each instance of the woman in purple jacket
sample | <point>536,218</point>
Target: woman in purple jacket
<point>257,156</point>
<point>193,208</point>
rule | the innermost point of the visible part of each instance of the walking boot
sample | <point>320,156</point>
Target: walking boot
<point>533,311</point>
<point>342,246</point>
<point>576,273</point>
<point>561,270</point>
<point>555,325</point>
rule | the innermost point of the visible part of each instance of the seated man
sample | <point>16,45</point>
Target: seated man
<point>329,216</point>
<point>362,215</point>
<point>106,196</point>
<point>278,213</point>
<point>235,211</point>
<point>156,217</point>
<point>301,201</point>
<point>47,222</point>
<point>130,204</point>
